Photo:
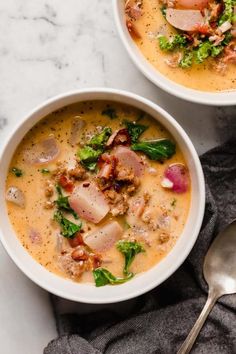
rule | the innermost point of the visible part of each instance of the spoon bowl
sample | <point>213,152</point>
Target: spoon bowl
<point>220,263</point>
<point>219,270</point>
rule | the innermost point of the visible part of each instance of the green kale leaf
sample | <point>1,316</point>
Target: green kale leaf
<point>187,60</point>
<point>103,277</point>
<point>129,250</point>
<point>134,130</point>
<point>178,41</point>
<point>158,150</point>
<point>68,228</point>
<point>228,13</point>
<point>89,156</point>
<point>17,172</point>
<point>110,112</point>
<point>205,50</point>
<point>99,140</point>
<point>45,171</point>
<point>62,203</point>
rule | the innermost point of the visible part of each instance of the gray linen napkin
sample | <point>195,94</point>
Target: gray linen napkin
<point>162,318</point>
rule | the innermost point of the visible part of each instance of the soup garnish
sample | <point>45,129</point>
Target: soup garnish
<point>102,194</point>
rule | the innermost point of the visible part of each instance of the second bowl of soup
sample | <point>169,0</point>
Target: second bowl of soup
<point>105,190</point>
<point>186,48</point>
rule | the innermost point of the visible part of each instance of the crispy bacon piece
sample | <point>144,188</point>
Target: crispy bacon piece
<point>119,137</point>
<point>76,241</point>
<point>66,183</point>
<point>133,9</point>
<point>230,53</point>
<point>133,30</point>
<point>191,4</point>
<point>107,164</point>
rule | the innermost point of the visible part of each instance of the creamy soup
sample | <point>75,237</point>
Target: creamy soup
<point>98,191</point>
<point>190,42</point>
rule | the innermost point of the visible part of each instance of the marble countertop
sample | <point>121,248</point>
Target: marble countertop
<point>48,47</point>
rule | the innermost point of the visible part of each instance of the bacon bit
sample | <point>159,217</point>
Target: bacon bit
<point>66,183</point>
<point>97,260</point>
<point>80,254</point>
<point>230,52</point>
<point>119,137</point>
<point>174,60</point>
<point>215,9</point>
<point>133,30</point>
<point>216,39</point>
<point>202,28</point>
<point>133,9</point>
<point>86,184</point>
<point>76,241</point>
<point>107,164</point>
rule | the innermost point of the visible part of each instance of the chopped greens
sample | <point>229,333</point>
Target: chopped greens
<point>17,172</point>
<point>129,250</point>
<point>90,153</point>
<point>163,11</point>
<point>207,49</point>
<point>134,130</point>
<point>99,140</point>
<point>158,150</point>
<point>45,171</point>
<point>68,228</point>
<point>178,41</point>
<point>205,41</point>
<point>89,156</point>
<point>63,203</point>
<point>110,112</point>
<point>228,13</point>
<point>187,59</point>
<point>103,277</point>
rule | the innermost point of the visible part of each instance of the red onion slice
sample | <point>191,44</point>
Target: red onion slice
<point>16,196</point>
<point>43,152</point>
<point>176,178</point>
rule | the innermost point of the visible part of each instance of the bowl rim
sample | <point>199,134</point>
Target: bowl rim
<point>198,221</point>
<point>224,98</point>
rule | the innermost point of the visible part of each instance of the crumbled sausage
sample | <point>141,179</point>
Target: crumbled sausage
<point>163,237</point>
<point>118,202</point>
<point>48,204</point>
<point>78,173</point>
<point>49,189</point>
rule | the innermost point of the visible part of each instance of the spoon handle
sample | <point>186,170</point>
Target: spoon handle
<point>189,341</point>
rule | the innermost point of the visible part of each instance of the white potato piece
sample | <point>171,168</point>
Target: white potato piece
<point>185,20</point>
<point>16,196</point>
<point>104,237</point>
<point>89,202</point>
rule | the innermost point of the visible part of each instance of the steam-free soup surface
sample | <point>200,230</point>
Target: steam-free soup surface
<point>121,202</point>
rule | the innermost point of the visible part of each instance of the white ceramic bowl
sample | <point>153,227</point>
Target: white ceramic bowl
<point>217,99</point>
<point>88,293</point>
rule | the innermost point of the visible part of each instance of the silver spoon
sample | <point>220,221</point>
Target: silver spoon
<point>219,270</point>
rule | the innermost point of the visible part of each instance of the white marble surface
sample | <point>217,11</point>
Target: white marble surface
<point>48,47</point>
